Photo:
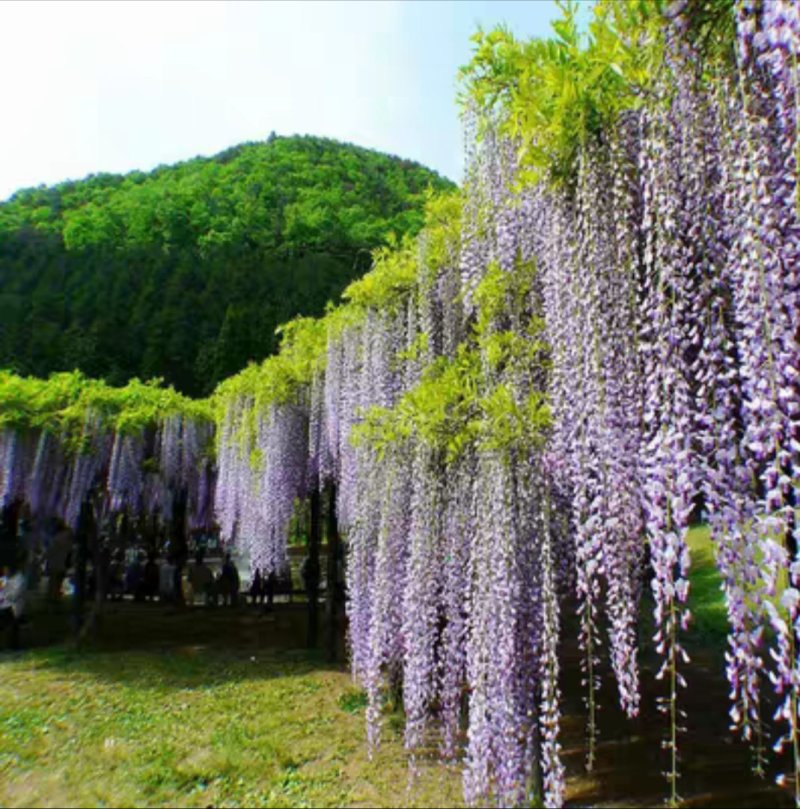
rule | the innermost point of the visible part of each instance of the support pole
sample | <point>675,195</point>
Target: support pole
<point>179,547</point>
<point>312,569</point>
<point>331,592</point>
<point>83,539</point>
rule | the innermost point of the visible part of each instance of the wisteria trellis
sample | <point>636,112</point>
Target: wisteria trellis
<point>667,281</point>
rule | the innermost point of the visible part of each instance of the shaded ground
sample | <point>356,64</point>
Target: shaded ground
<point>715,766</point>
<point>222,707</point>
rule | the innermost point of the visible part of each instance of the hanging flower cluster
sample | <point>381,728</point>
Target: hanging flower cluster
<point>450,550</point>
<point>132,447</point>
<point>262,472</point>
<point>765,234</point>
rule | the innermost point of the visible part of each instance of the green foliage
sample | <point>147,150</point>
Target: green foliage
<point>185,273</point>
<point>440,240</point>
<point>465,400</point>
<point>395,272</point>
<point>506,334</point>
<point>442,408</point>
<point>551,96</point>
<point>62,403</point>
<point>353,700</point>
<point>452,407</point>
<point>280,378</point>
<point>711,28</point>
<point>397,269</point>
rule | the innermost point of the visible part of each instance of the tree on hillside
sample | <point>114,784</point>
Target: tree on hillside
<point>185,272</point>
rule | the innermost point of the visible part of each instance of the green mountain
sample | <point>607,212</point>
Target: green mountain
<point>185,272</point>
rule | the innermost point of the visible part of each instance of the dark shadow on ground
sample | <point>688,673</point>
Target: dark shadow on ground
<point>151,645</point>
<point>715,765</point>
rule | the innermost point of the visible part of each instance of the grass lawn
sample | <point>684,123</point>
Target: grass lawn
<point>219,707</point>
<point>224,720</point>
<point>706,600</point>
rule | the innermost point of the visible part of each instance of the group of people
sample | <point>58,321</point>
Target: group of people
<point>262,589</point>
<point>220,589</point>
<point>144,581</point>
<point>114,575</point>
<point>148,581</point>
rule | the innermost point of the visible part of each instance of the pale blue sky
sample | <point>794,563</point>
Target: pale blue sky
<point>113,86</point>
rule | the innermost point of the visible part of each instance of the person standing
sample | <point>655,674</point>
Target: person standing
<point>152,577</point>
<point>256,588</point>
<point>58,550</point>
<point>229,582</point>
<point>12,602</point>
<point>134,578</point>
<point>116,577</point>
<point>268,590</point>
<point>166,582</point>
<point>200,578</point>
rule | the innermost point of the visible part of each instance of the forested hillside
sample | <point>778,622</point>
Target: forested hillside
<point>186,271</point>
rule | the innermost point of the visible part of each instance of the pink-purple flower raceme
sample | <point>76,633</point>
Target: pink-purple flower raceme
<point>422,596</point>
<point>138,473</point>
<point>767,295</point>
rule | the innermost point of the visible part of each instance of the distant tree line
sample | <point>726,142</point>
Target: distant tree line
<point>185,272</point>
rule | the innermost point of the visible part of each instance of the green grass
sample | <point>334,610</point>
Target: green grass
<point>223,708</point>
<point>706,599</point>
<point>195,726</point>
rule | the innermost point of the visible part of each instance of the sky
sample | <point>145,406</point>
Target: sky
<point>94,87</point>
